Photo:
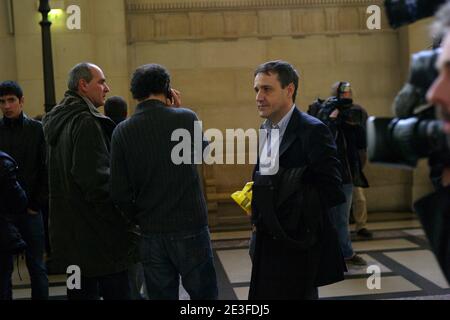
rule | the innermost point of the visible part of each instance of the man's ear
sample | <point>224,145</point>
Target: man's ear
<point>82,85</point>
<point>290,90</point>
<point>22,100</point>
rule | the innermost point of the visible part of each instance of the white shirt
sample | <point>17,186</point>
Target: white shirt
<point>271,136</point>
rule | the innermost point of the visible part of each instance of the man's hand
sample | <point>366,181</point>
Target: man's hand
<point>176,99</point>
<point>446,177</point>
<point>32,212</point>
<point>334,114</point>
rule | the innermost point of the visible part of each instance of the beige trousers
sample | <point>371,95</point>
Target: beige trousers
<point>359,208</point>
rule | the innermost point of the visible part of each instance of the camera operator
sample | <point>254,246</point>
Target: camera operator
<point>434,209</point>
<point>423,131</point>
<point>346,122</point>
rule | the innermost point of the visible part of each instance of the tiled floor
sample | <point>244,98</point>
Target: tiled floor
<point>418,261</point>
<point>399,249</point>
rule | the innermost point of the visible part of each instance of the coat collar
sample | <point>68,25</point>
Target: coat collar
<point>290,135</point>
<point>92,109</point>
<point>15,122</point>
<point>291,131</point>
<point>107,124</point>
<point>148,105</point>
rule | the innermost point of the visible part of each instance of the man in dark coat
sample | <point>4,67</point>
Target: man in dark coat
<point>86,229</point>
<point>280,270</point>
<point>23,139</point>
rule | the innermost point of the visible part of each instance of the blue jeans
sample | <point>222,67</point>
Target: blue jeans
<point>31,228</point>
<point>167,256</point>
<point>339,216</point>
<point>136,276</point>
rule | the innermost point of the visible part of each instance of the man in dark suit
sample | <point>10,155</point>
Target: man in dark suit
<point>161,194</point>
<point>292,261</point>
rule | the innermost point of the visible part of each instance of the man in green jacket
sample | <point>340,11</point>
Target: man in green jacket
<point>86,229</point>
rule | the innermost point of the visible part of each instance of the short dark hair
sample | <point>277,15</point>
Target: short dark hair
<point>116,107</point>
<point>441,24</point>
<point>149,79</point>
<point>11,88</point>
<point>285,71</point>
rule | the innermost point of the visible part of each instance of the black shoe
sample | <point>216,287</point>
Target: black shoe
<point>356,261</point>
<point>364,233</point>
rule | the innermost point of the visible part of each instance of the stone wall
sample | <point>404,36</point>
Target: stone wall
<point>8,68</point>
<point>212,48</point>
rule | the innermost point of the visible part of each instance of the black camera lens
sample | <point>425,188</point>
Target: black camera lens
<point>402,142</point>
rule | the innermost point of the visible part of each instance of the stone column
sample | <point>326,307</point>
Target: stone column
<point>8,68</point>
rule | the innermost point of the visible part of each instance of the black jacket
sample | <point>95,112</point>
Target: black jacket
<point>13,200</point>
<point>434,213</point>
<point>350,139</point>
<point>23,139</point>
<point>282,270</point>
<point>146,184</point>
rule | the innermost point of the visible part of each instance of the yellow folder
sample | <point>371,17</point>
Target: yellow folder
<point>244,197</point>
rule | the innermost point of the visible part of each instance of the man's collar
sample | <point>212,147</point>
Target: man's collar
<point>14,122</point>
<point>268,124</point>
<point>149,104</point>
<point>92,109</point>
<point>285,120</point>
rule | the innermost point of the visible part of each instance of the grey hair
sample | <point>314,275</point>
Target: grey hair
<point>441,25</point>
<point>80,71</point>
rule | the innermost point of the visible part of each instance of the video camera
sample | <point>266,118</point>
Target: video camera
<point>402,142</point>
<point>322,109</point>
<point>342,101</point>
<point>416,133</point>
